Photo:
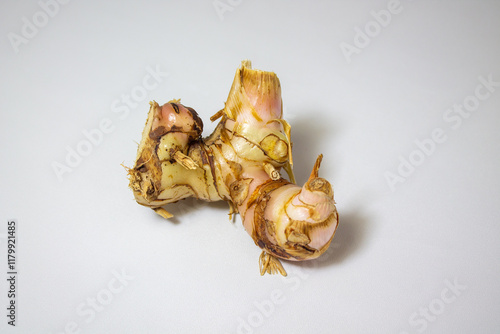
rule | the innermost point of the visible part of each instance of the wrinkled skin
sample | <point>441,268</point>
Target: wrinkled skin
<point>239,163</point>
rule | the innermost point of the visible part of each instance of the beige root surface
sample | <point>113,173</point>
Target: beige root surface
<point>240,163</point>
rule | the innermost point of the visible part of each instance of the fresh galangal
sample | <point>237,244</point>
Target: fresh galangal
<point>239,163</point>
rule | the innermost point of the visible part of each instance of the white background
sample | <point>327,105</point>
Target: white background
<point>397,249</point>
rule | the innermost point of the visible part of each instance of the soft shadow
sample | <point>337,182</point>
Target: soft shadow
<point>307,136</point>
<point>351,235</point>
<point>349,238</point>
<point>185,207</point>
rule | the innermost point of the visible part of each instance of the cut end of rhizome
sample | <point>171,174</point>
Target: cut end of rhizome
<point>255,96</point>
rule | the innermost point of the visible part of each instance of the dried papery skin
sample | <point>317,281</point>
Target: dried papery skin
<point>239,163</point>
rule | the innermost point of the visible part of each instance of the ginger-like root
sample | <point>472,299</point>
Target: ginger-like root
<point>270,264</point>
<point>162,212</point>
<point>239,163</point>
